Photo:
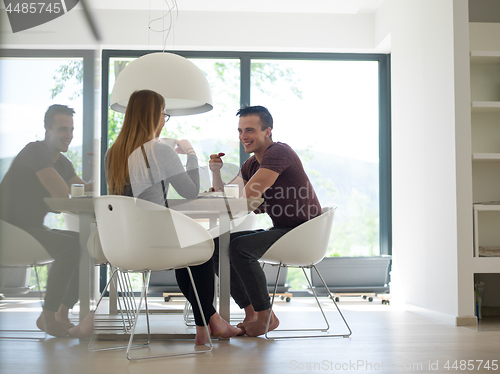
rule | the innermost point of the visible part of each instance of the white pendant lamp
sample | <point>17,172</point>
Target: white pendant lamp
<point>182,84</point>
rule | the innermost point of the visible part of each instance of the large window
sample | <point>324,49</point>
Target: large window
<point>208,132</point>
<point>327,111</point>
<point>31,81</point>
<point>29,87</point>
<point>333,109</point>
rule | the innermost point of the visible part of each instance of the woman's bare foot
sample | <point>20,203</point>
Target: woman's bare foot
<point>221,328</point>
<point>201,335</point>
<point>47,323</point>
<point>85,329</point>
<point>258,327</point>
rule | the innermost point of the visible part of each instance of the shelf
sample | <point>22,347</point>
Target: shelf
<point>485,107</point>
<point>486,264</point>
<point>487,207</point>
<point>486,157</point>
<point>485,57</point>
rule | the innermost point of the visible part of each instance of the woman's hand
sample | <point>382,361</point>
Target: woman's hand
<point>184,147</point>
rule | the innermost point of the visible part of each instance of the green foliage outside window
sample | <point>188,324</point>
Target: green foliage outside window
<point>362,222</point>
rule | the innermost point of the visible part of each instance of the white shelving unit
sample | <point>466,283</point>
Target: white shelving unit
<point>492,239</point>
<point>486,157</point>
<point>485,109</point>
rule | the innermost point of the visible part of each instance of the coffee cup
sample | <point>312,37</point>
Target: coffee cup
<point>77,190</point>
<point>232,190</point>
<point>168,141</point>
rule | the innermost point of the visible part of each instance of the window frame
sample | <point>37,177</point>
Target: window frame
<point>88,57</point>
<point>246,58</point>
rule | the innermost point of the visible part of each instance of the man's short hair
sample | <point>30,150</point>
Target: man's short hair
<point>266,119</point>
<point>53,111</point>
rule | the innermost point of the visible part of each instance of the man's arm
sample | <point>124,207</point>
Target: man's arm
<point>53,182</point>
<point>261,181</point>
<point>215,165</point>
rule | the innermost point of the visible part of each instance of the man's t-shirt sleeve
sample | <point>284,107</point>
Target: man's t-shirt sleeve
<point>275,158</point>
<point>65,168</point>
<point>36,157</point>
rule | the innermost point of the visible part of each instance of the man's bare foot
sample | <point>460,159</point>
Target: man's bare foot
<point>221,328</point>
<point>258,327</point>
<point>85,329</point>
<point>47,323</point>
<point>250,314</point>
<point>201,335</point>
<point>63,318</point>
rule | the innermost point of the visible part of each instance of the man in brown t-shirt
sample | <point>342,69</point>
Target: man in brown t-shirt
<point>276,174</point>
<point>41,170</point>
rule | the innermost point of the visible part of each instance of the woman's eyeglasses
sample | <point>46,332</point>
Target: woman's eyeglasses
<point>166,117</point>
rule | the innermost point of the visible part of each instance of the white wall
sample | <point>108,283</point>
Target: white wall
<point>425,217</point>
<point>203,31</point>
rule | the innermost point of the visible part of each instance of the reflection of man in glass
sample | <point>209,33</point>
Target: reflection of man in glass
<point>274,173</point>
<point>39,171</point>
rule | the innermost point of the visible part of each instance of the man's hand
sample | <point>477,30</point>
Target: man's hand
<point>215,162</point>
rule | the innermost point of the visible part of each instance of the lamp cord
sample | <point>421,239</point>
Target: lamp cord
<point>172,7</point>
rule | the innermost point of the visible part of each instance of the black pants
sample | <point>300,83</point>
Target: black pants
<point>62,283</point>
<point>248,281</point>
<point>204,279</point>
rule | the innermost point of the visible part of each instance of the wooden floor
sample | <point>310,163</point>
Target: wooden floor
<point>385,339</point>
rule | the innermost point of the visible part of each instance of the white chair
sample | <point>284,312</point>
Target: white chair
<point>120,281</point>
<point>303,247</point>
<point>139,236</point>
<point>20,249</point>
<point>122,287</point>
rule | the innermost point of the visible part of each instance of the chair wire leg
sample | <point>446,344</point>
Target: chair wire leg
<point>146,276</point>
<point>40,294</point>
<point>144,295</point>
<point>93,337</point>
<point>201,312</point>
<point>132,332</point>
<point>334,302</point>
<point>320,307</point>
<point>317,301</point>
<point>118,287</point>
<point>111,280</point>
<point>272,300</point>
<point>130,293</point>
<point>188,319</point>
<point>91,348</point>
<point>125,297</point>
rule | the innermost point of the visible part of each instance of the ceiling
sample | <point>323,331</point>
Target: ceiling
<point>266,6</point>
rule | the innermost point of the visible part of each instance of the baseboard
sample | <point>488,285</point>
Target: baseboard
<point>448,319</point>
<point>467,321</point>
